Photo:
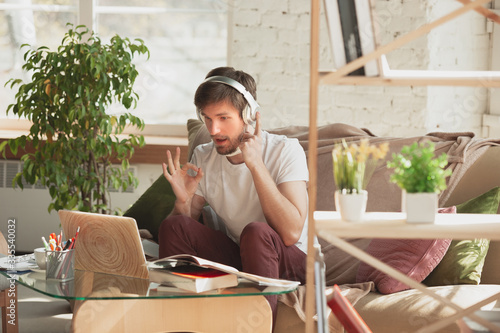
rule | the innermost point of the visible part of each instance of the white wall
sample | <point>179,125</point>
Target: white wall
<point>271,41</point>
<point>457,108</point>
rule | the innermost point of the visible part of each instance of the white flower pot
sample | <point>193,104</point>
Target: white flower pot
<point>352,207</point>
<point>420,207</point>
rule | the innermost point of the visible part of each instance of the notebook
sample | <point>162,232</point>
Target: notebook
<point>106,243</point>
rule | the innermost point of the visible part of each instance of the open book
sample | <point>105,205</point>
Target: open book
<point>260,280</point>
<point>191,277</point>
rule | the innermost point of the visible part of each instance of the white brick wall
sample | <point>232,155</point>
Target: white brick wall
<point>271,42</point>
<point>457,108</point>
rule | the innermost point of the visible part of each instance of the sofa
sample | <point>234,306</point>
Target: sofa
<point>466,271</point>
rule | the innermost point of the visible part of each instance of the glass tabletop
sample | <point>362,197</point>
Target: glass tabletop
<point>91,285</point>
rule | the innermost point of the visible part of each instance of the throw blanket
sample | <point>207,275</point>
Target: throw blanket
<point>463,150</point>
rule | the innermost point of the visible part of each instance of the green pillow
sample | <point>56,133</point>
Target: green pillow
<point>158,201</point>
<point>153,206</point>
<point>464,260</point>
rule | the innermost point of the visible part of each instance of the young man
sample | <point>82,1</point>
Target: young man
<point>254,181</point>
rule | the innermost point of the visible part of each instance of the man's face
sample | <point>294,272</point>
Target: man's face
<point>225,126</point>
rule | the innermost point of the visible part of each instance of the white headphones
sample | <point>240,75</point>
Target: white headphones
<point>249,113</point>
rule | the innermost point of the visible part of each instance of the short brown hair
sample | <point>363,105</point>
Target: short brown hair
<point>214,92</point>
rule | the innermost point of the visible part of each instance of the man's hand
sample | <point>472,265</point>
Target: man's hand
<point>183,185</point>
<point>251,145</point>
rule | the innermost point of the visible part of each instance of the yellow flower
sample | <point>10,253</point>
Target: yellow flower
<point>353,165</point>
<point>363,151</point>
<point>379,152</point>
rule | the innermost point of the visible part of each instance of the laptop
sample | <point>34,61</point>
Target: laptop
<point>107,244</point>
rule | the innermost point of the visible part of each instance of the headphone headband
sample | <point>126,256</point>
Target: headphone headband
<point>249,112</point>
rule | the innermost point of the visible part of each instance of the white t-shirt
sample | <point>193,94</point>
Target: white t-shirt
<point>230,191</point>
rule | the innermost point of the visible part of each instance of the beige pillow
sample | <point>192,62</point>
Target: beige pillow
<point>197,134</point>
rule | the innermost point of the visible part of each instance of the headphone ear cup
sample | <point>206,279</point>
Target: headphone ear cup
<point>247,115</point>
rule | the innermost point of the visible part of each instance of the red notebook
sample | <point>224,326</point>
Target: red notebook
<point>345,312</point>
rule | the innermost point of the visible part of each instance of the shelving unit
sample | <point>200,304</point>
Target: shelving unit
<point>388,77</point>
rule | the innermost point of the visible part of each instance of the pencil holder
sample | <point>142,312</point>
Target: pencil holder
<point>60,265</point>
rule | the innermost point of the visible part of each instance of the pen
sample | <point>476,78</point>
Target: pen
<point>52,244</point>
<point>74,238</point>
<point>68,243</point>
<point>45,243</point>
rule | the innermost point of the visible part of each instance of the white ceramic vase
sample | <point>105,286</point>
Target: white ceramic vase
<point>420,207</point>
<point>352,207</point>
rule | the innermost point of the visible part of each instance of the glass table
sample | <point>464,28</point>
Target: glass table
<point>111,303</point>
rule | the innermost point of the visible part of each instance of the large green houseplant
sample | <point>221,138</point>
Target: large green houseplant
<point>421,175</point>
<point>79,153</point>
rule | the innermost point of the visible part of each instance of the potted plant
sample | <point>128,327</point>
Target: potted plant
<point>353,166</point>
<point>76,145</point>
<point>421,175</point>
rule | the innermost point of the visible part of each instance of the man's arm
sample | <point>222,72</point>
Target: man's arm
<point>192,209</point>
<point>284,205</point>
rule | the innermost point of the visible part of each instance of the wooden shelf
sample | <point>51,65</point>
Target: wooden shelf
<point>418,78</point>
<point>388,77</point>
<point>383,224</point>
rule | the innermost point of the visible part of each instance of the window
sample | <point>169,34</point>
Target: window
<point>186,39</point>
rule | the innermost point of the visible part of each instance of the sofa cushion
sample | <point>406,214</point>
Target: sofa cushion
<point>464,260</point>
<point>414,257</point>
<point>153,206</point>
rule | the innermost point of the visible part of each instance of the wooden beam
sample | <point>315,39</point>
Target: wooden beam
<point>483,11</point>
<point>312,164</point>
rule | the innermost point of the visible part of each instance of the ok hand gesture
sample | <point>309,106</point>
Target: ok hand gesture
<point>183,185</point>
